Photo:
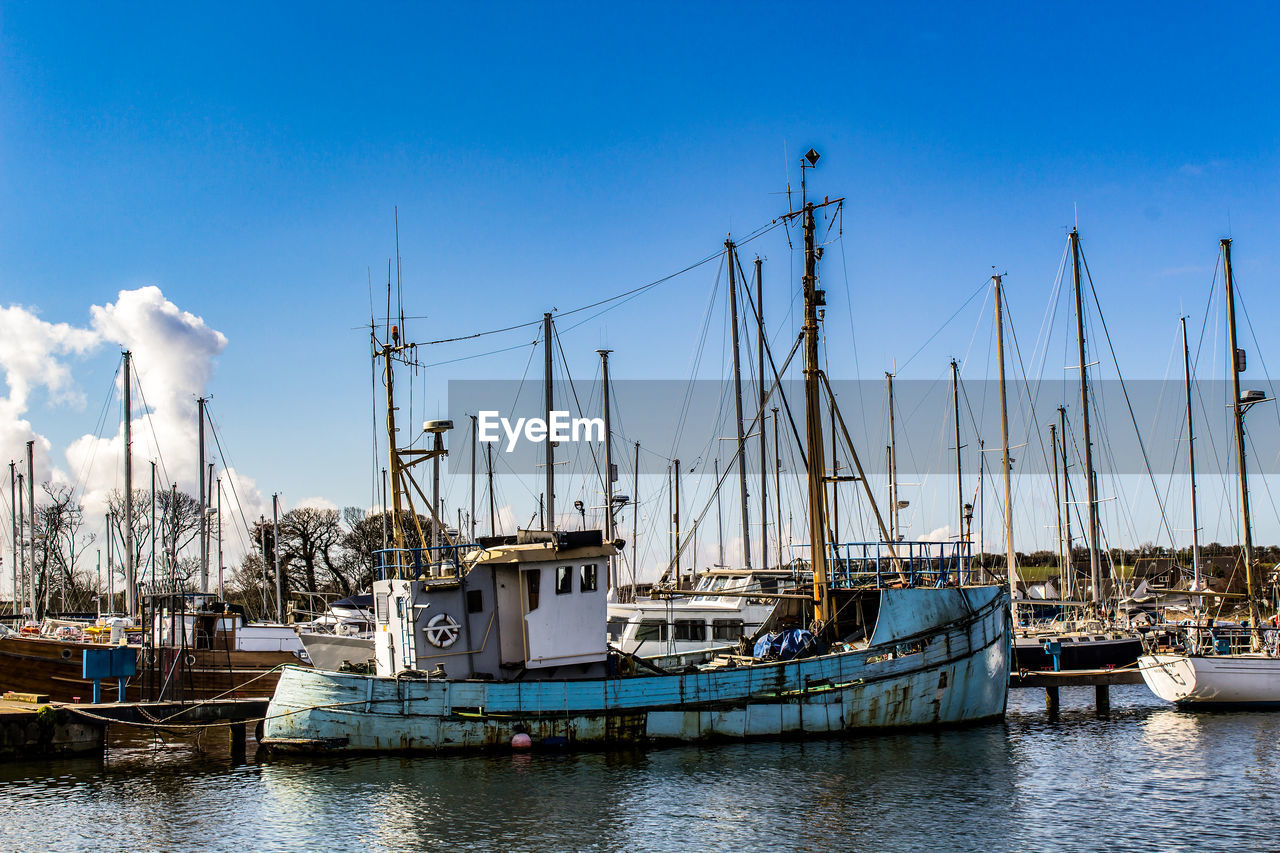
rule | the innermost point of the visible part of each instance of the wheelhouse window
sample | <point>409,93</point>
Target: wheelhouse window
<point>726,629</point>
<point>587,582</point>
<point>651,630</point>
<point>615,628</point>
<point>532,580</point>
<point>564,580</point>
<point>691,629</point>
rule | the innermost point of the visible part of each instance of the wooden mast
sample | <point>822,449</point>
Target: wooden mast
<point>1095,567</point>
<point>1239,407</point>
<point>823,611</point>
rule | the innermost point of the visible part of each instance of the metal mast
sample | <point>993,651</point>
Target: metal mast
<point>1057,503</point>
<point>635,518</point>
<point>1069,560</point>
<point>955,406</point>
<point>13,516</point>
<point>130,569</point>
<point>1191,461</point>
<point>893,464</point>
<point>393,457</point>
<point>608,465</point>
<point>764,441</point>
<point>275,554</point>
<point>1238,409</point>
<point>550,522</point>
<point>1095,567</point>
<point>732,260</point>
<point>31,512</point>
<point>219,513</point>
<point>675,517</point>
<point>474,439</point>
<point>1010,556</point>
<point>204,520</point>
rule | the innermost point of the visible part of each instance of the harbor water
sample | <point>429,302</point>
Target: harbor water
<point>1144,777</point>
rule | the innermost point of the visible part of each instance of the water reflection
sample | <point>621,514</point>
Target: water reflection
<point>1146,776</point>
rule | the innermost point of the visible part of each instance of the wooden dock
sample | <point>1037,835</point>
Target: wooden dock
<point>1100,680</point>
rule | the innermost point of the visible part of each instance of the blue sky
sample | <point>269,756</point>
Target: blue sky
<point>247,159</point>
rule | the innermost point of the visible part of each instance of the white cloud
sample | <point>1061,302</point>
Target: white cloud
<point>32,355</point>
<point>316,503</point>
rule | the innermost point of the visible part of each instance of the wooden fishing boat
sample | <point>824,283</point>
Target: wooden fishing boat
<point>506,645</point>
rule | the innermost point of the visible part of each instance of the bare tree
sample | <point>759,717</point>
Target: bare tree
<point>60,542</point>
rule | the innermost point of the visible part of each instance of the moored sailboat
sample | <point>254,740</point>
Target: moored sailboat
<point>1228,667</point>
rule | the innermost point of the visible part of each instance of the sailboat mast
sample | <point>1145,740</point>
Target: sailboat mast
<point>1095,567</point>
<point>1057,502</point>
<point>715,467</point>
<point>777,485</point>
<point>635,518</point>
<point>610,533</point>
<point>675,518</point>
<point>1068,559</point>
<point>549,445</point>
<point>130,570</point>
<point>493,522</point>
<point>1238,410</point>
<point>13,516</point>
<point>732,261</point>
<point>893,464</point>
<point>764,440</point>
<point>1010,558</point>
<point>203,526</point>
<point>955,417</point>
<point>219,516</point>
<point>31,518</point>
<point>474,438</point>
<point>1191,460</point>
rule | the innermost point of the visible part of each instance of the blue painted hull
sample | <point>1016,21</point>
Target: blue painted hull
<point>945,661</point>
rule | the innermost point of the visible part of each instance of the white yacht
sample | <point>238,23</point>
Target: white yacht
<point>724,607</point>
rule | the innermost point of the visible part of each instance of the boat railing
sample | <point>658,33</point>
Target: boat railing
<point>432,562</point>
<point>1224,639</point>
<point>853,565</point>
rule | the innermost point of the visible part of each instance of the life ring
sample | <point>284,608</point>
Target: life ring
<point>442,632</point>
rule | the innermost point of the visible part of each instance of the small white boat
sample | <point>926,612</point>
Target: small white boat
<point>1240,680</point>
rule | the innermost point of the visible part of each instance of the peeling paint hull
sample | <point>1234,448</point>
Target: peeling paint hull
<point>945,662</point>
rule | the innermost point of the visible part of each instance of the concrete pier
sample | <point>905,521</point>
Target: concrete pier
<point>33,728</point>
<point>39,730</point>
